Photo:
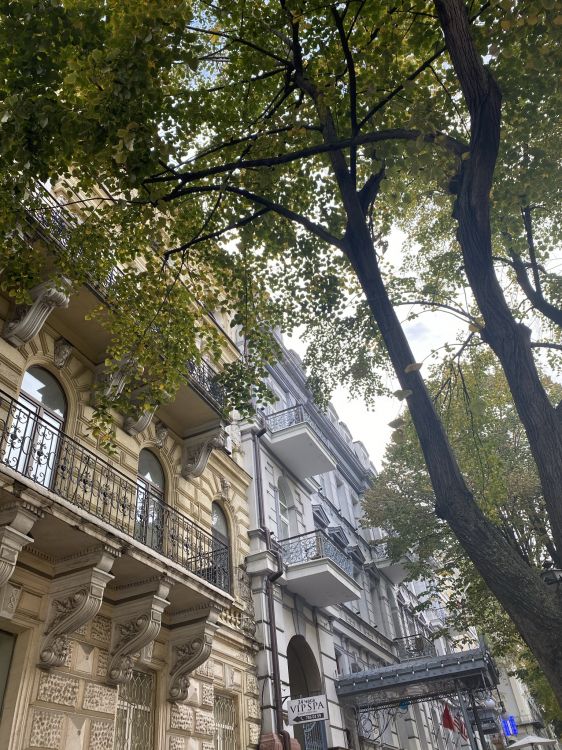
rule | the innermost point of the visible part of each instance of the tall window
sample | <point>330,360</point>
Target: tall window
<point>283,504</point>
<point>35,433</point>
<point>150,501</point>
<point>225,723</point>
<point>134,723</point>
<point>221,546</point>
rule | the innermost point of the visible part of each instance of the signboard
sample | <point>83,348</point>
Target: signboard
<point>509,726</point>
<point>313,708</point>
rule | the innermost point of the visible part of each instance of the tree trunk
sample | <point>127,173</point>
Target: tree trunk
<point>509,340</point>
<point>534,607</point>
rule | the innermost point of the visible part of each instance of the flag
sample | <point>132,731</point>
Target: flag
<point>448,721</point>
<point>460,727</point>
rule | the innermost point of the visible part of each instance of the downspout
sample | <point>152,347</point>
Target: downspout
<point>270,580</point>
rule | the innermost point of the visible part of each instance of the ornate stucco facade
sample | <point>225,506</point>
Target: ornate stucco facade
<point>126,619</point>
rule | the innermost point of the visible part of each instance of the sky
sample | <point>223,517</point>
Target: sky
<point>431,330</point>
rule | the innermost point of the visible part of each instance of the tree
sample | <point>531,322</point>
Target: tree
<point>474,402</point>
<point>305,130</point>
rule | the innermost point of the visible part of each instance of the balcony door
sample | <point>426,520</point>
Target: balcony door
<point>35,433</point>
<point>149,522</point>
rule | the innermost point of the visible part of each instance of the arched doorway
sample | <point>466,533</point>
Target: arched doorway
<point>304,680</point>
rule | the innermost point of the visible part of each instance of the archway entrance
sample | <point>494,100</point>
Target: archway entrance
<point>305,680</point>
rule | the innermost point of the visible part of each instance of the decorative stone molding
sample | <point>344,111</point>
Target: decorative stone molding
<point>75,600</point>
<point>9,600</point>
<point>16,521</point>
<point>133,425</point>
<point>110,384</point>
<point>27,320</point>
<point>161,434</point>
<point>190,646</point>
<point>197,449</point>
<point>62,352</point>
<point>135,625</point>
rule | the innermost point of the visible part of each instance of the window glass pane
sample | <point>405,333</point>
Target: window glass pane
<point>134,723</point>
<point>43,387</point>
<point>218,521</point>
<point>225,723</point>
<point>150,469</point>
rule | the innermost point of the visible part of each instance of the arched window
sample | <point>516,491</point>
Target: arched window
<point>149,526</point>
<point>36,430</point>
<point>221,547</point>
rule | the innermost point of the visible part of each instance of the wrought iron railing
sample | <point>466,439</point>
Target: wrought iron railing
<point>313,546</point>
<point>59,223</point>
<point>294,415</point>
<point>414,647</point>
<point>34,447</point>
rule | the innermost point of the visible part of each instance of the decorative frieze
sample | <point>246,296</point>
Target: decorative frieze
<point>190,646</point>
<point>197,449</point>
<point>253,734</point>
<point>10,595</point>
<point>27,320</point>
<point>101,735</point>
<point>135,625</point>
<point>176,743</point>
<point>74,600</point>
<point>204,722</point>
<point>58,688</point>
<point>98,697</point>
<point>253,708</point>
<point>101,629</point>
<point>207,694</point>
<point>46,730</point>
<point>206,669</point>
<point>181,717</point>
<point>251,684</point>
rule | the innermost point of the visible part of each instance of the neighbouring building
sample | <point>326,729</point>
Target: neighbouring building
<point>126,619</point>
<point>333,611</point>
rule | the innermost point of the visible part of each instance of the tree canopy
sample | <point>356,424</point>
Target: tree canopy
<point>262,152</point>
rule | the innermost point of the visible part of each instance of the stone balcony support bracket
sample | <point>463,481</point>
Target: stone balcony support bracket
<point>28,320</point>
<point>75,599</point>
<point>16,521</point>
<point>190,645</point>
<point>136,623</point>
<point>197,449</point>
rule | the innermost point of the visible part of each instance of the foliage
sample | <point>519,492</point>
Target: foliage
<point>261,153</point>
<point>475,403</point>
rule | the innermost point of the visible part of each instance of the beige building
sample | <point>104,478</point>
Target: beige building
<point>126,618</point>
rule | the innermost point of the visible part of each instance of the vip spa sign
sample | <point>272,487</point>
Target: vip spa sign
<point>301,710</point>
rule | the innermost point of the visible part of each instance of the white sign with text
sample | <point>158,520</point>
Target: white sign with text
<point>313,708</point>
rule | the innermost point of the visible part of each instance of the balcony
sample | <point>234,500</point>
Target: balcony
<point>33,449</point>
<point>415,646</point>
<point>318,570</point>
<point>294,438</point>
<point>201,399</point>
<point>395,570</point>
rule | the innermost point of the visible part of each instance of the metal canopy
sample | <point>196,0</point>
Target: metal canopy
<point>419,679</point>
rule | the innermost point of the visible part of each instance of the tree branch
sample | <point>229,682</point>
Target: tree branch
<point>261,200</point>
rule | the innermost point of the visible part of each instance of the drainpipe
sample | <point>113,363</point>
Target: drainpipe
<point>270,580</point>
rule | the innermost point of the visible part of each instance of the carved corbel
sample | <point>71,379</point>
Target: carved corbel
<point>16,521</point>
<point>135,425</point>
<point>135,625</point>
<point>190,645</point>
<point>110,384</point>
<point>75,600</point>
<point>62,352</point>
<point>28,320</point>
<point>196,450</point>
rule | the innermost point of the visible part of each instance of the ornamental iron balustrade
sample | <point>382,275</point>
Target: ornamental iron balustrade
<point>415,646</point>
<point>59,223</point>
<point>291,417</point>
<point>35,448</point>
<point>313,546</point>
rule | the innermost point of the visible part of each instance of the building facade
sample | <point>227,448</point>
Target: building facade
<point>126,618</point>
<point>329,601</point>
